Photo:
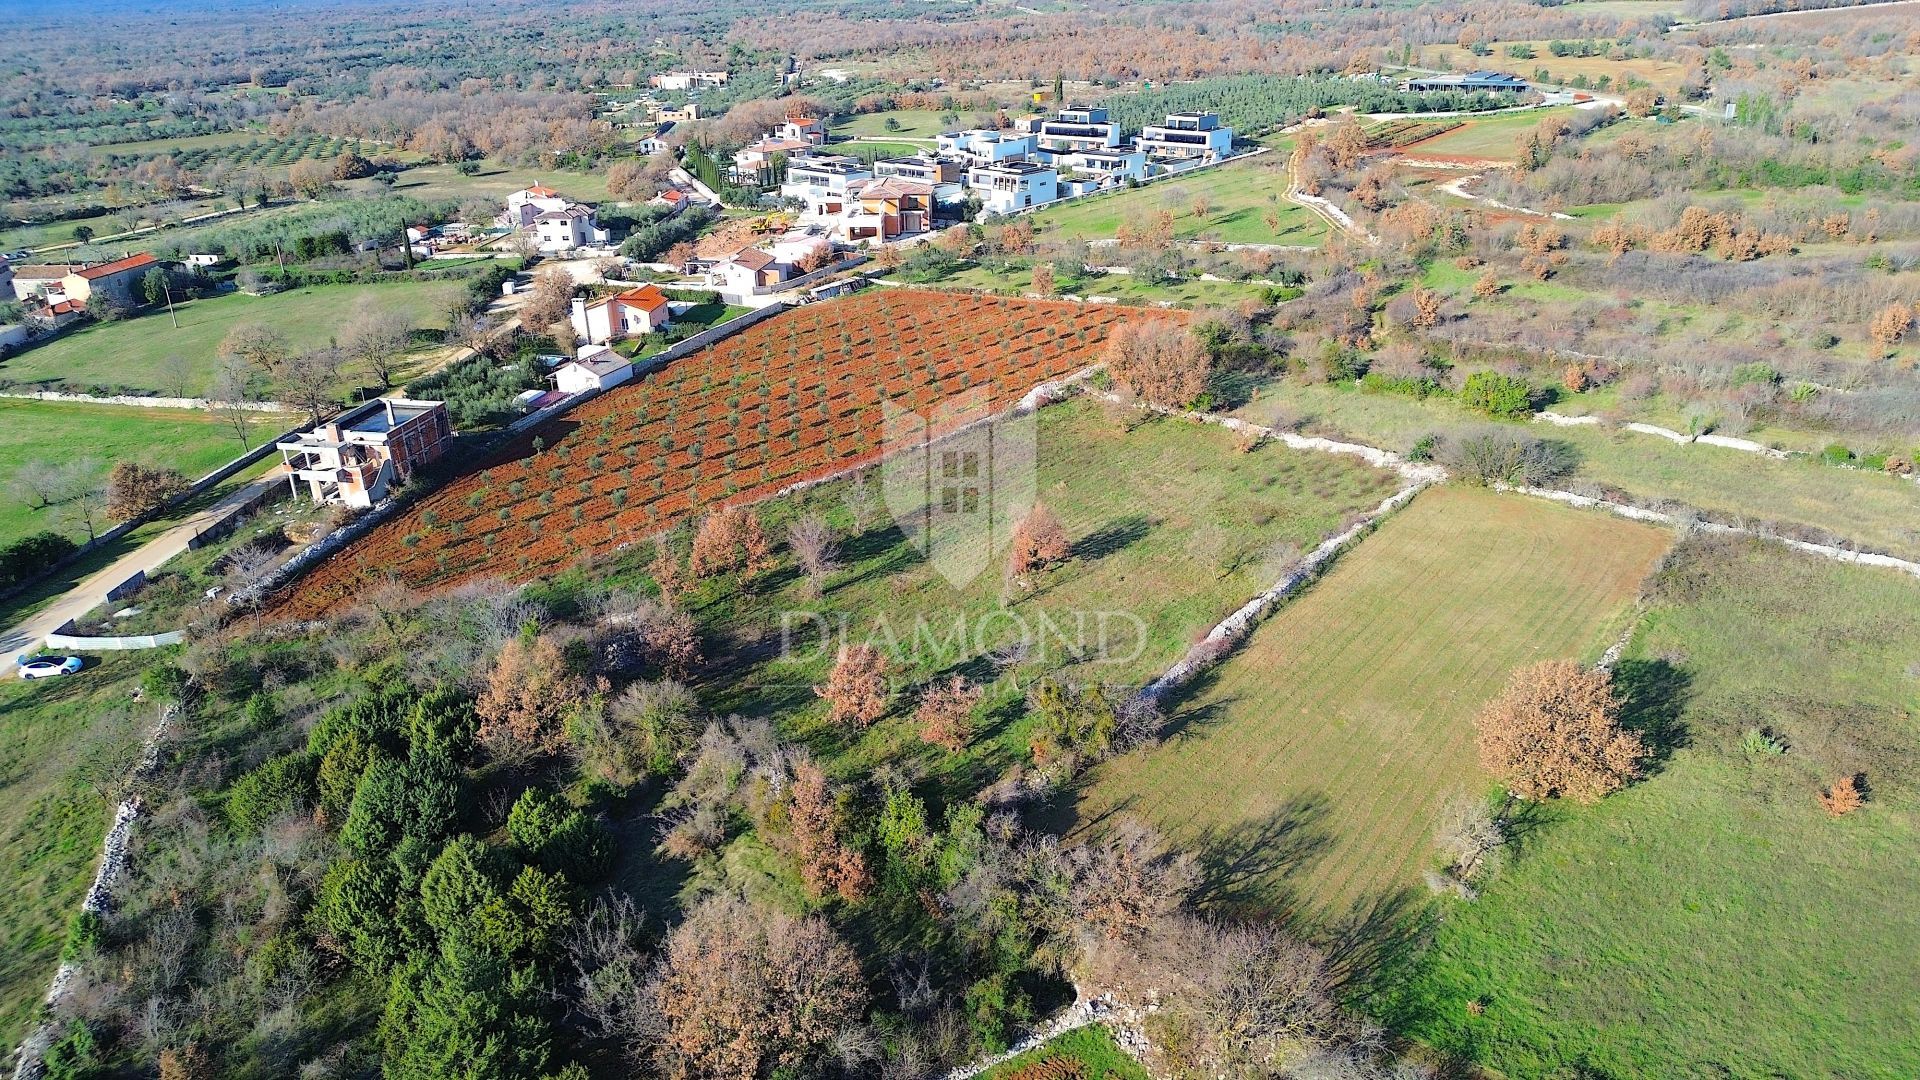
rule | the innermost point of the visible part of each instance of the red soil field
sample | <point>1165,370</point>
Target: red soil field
<point>790,399</point>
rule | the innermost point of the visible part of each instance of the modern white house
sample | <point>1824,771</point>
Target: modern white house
<point>630,314</point>
<point>564,230</point>
<point>807,129</point>
<point>657,141</point>
<point>1077,128</point>
<point>1184,137</point>
<point>823,184</point>
<point>356,458</point>
<point>687,80</point>
<point>1106,168</point>
<point>978,146</point>
<point>596,368</point>
<point>1013,185</point>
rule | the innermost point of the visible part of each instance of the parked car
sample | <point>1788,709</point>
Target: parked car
<point>46,667</point>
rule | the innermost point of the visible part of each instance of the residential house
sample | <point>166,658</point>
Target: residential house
<point>685,114</point>
<point>1490,82</point>
<point>926,170</point>
<point>361,455</point>
<point>1186,137</point>
<point>752,271</point>
<point>673,199</point>
<point>529,203</point>
<point>205,260</point>
<point>115,283</point>
<point>40,282</point>
<point>628,314</point>
<point>656,142</point>
<point>1107,168</point>
<point>687,80</point>
<point>823,183</point>
<point>1013,185</point>
<point>1077,128</point>
<point>57,313</point>
<point>594,369</point>
<point>807,129</point>
<point>564,230</point>
<point>758,162</point>
<point>978,146</point>
<point>887,209</point>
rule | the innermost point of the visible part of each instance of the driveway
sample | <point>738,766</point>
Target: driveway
<point>149,557</point>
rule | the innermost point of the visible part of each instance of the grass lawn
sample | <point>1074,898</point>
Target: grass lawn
<point>704,316</point>
<point>134,353</point>
<point>910,123</point>
<point>1122,287</point>
<point>493,180</point>
<point>1239,197</point>
<point>1092,1048</point>
<point>194,442</point>
<point>1495,137</point>
<point>1871,508</point>
<point>55,735</point>
<point>1712,920</point>
<point>1307,771</point>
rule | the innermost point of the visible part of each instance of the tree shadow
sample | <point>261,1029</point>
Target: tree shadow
<point>1653,695</point>
<point>1113,537</point>
<point>1374,945</point>
<point>1247,865</point>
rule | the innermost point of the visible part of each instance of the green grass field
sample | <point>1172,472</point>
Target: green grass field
<point>1305,775</point>
<point>1092,1048</point>
<point>1712,920</point>
<point>493,180</point>
<point>1239,197</point>
<point>194,442</point>
<point>134,353</point>
<point>912,123</point>
<point>1122,287</point>
<point>1496,137</point>
<point>1871,508</point>
<point>55,736</point>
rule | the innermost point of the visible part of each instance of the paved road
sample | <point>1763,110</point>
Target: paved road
<point>150,556</point>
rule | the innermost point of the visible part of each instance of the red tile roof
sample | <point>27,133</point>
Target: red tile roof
<point>540,192</point>
<point>131,262</point>
<point>646,298</point>
<point>753,258</point>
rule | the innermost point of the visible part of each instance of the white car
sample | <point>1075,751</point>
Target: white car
<point>46,667</point>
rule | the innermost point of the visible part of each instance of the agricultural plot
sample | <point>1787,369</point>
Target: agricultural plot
<point>1307,773</point>
<point>258,151</point>
<point>149,354</point>
<point>1713,920</point>
<point>1238,203</point>
<point>63,433</point>
<point>1486,138</point>
<point>792,398</point>
<point>895,123</point>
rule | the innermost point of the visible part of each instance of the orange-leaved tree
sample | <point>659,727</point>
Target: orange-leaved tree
<point>1159,361</point>
<point>1555,731</point>
<point>856,691</point>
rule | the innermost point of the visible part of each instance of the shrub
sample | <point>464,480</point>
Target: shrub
<point>281,785</point>
<point>1843,797</point>
<point>1497,395</point>
<point>1555,731</point>
<point>561,838</point>
<point>1497,455</point>
<point>1159,361</point>
<point>28,557</point>
<point>856,691</point>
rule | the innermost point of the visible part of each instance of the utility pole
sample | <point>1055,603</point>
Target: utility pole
<point>280,260</point>
<point>168,286</point>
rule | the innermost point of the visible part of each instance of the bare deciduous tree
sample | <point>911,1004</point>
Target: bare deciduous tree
<point>375,338</point>
<point>816,550</point>
<point>1159,361</point>
<point>311,380</point>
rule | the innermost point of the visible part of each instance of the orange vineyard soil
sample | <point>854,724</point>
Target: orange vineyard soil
<point>791,399</point>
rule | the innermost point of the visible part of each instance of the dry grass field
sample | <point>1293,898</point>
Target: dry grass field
<point>1307,772</point>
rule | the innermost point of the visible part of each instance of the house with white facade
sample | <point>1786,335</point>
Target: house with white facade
<point>1106,168</point>
<point>563,230</point>
<point>687,80</point>
<point>596,368</point>
<point>1076,128</point>
<point>755,163</point>
<point>823,183</point>
<point>614,318</point>
<point>1186,137</point>
<point>979,146</point>
<point>1013,185</point>
<point>807,129</point>
<point>530,202</point>
<point>656,142</point>
<point>755,271</point>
